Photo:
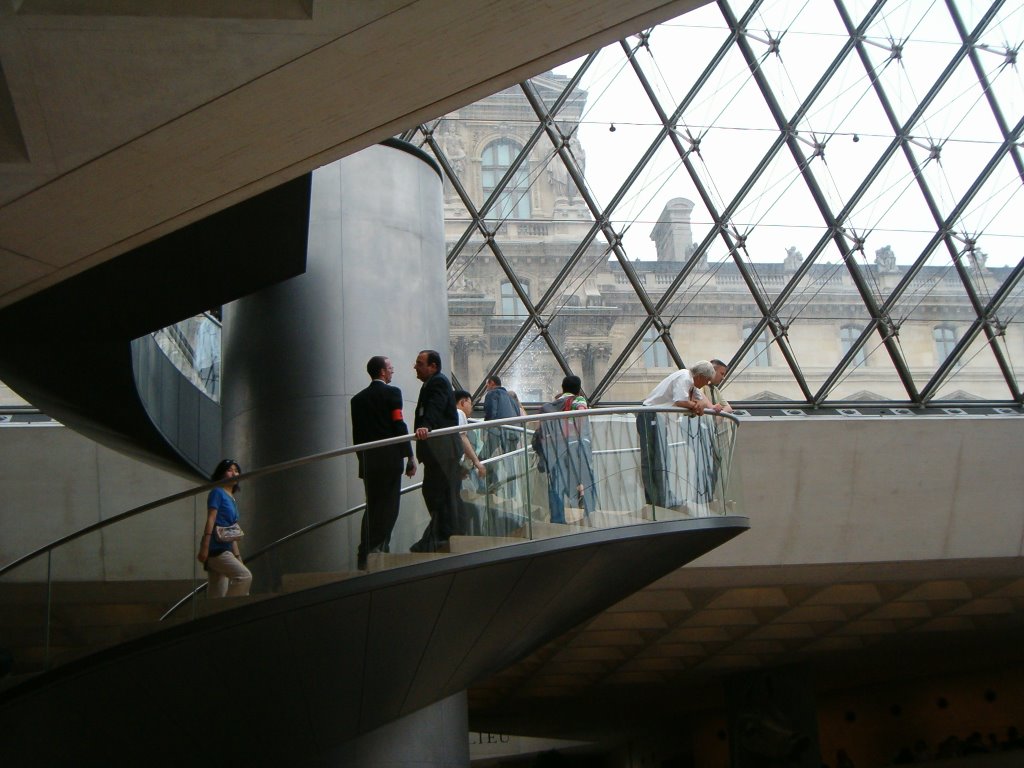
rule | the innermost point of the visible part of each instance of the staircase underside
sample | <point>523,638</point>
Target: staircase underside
<point>311,670</point>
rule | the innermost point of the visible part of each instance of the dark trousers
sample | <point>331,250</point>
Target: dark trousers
<point>441,482</point>
<point>382,482</point>
<point>652,459</point>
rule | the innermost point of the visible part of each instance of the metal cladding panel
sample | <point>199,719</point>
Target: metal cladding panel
<point>334,659</point>
<point>477,599</point>
<point>402,623</point>
<point>540,584</point>
<point>296,658</point>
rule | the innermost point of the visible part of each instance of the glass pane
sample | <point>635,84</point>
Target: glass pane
<point>1010,318</point>
<point>762,373</point>
<point>193,346</point>
<point>672,48</point>
<point>909,46</point>
<point>653,224</point>
<point>927,336</point>
<point>997,54</point>
<point>985,231</point>
<point>663,221</point>
<point>618,125</point>
<point>890,222</point>
<point>794,45</point>
<point>976,376</point>
<point>532,371</point>
<point>733,129</point>
<point>550,87</point>
<point>825,316</point>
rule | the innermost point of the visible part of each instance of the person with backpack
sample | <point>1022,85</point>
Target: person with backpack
<point>564,449</point>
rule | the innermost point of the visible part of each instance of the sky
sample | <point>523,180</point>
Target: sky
<point>844,132</point>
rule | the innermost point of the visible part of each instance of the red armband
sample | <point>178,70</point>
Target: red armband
<point>396,415</point>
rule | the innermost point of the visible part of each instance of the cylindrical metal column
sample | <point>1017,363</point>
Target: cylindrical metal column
<point>294,354</point>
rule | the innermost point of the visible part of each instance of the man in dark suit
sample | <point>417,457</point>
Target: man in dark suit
<point>377,415</point>
<point>439,456</point>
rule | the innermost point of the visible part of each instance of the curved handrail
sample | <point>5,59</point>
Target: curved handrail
<point>325,455</point>
<point>294,535</point>
<point>489,424</point>
<point>615,469</point>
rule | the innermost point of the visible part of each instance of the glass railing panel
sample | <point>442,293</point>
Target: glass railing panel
<point>545,476</point>
<point>24,620</point>
<point>100,589</point>
<point>607,470</point>
<point>498,507</point>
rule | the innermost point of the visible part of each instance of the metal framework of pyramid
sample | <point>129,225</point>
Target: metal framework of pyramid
<point>844,134</point>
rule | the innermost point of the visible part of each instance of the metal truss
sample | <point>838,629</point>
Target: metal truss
<point>803,150</point>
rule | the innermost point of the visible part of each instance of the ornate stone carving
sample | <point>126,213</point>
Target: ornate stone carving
<point>885,259</point>
<point>793,259</point>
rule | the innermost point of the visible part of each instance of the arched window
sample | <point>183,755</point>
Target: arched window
<point>514,200</point>
<point>511,304</point>
<point>759,355</point>
<point>848,335</point>
<point>655,351</point>
<point>945,341</point>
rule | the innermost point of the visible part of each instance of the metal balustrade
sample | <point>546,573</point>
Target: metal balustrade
<point>547,475</point>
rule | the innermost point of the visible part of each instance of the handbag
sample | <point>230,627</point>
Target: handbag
<point>228,533</point>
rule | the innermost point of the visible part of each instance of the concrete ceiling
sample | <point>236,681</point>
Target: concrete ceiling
<point>121,120</point>
<point>667,650</point>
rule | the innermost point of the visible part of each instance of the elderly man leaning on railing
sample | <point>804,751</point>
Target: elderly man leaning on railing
<point>681,389</point>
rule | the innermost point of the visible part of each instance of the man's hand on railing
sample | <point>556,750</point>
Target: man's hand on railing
<point>422,433</point>
<point>696,405</point>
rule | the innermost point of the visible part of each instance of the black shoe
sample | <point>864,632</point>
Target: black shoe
<point>423,545</point>
<point>361,564</point>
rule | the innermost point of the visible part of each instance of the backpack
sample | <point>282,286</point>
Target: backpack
<point>537,442</point>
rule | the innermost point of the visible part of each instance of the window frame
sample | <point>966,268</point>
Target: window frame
<point>513,201</point>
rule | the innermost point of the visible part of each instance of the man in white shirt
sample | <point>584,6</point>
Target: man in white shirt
<point>469,513</point>
<point>681,389</point>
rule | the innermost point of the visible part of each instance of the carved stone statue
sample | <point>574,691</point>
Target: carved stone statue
<point>885,260</point>
<point>561,183</point>
<point>451,144</point>
<point>793,259</point>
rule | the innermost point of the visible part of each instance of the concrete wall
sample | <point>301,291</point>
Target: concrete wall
<point>55,481</point>
<point>838,490</point>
